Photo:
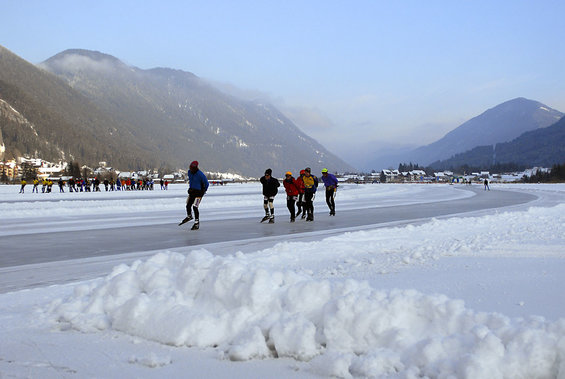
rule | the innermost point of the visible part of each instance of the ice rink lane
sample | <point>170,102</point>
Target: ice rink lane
<point>38,248</point>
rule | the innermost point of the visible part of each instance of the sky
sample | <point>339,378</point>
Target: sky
<point>358,76</point>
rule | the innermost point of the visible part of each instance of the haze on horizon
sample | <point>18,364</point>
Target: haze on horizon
<point>359,77</point>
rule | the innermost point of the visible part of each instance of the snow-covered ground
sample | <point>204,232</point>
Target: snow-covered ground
<point>475,296</point>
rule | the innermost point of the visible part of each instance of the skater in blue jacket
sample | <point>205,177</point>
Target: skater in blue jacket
<point>330,182</point>
<point>198,185</point>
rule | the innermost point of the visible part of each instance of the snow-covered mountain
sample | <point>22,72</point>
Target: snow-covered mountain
<point>186,118</point>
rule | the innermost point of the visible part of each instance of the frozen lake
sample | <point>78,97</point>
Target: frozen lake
<point>406,280</point>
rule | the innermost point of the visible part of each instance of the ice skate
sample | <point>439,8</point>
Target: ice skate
<point>186,219</point>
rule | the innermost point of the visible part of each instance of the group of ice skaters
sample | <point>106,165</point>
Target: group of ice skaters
<point>46,185</point>
<point>300,193</point>
<point>86,185</point>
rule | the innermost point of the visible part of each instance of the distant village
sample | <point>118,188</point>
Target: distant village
<point>13,171</point>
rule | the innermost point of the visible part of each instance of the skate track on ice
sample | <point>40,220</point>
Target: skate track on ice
<point>40,259</point>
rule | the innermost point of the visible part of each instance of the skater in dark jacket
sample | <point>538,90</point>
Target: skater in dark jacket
<point>292,192</point>
<point>270,189</point>
<point>198,185</point>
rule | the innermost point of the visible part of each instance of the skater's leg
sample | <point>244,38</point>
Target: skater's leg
<point>290,201</point>
<point>266,208</point>
<point>309,197</point>
<point>189,203</point>
<point>299,204</point>
<point>328,199</point>
<point>195,209</point>
<point>272,207</point>
<point>266,205</point>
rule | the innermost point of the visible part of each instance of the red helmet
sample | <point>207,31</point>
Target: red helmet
<point>194,164</point>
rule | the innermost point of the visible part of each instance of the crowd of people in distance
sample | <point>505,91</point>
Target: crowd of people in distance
<point>93,185</point>
<point>300,194</point>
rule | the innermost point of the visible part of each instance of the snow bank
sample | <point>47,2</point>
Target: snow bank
<point>537,232</point>
<point>249,308</point>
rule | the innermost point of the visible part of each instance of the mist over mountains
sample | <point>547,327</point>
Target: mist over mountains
<point>103,109</point>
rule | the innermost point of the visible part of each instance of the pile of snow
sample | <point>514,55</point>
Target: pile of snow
<point>262,305</point>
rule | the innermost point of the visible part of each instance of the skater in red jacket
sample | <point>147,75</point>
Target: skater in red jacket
<point>292,192</point>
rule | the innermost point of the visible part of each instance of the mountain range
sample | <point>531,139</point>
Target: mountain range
<point>91,107</point>
<point>542,147</point>
<point>500,124</point>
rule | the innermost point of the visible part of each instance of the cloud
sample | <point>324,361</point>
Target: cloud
<point>426,133</point>
<point>241,93</point>
<point>79,62</point>
<point>309,119</point>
